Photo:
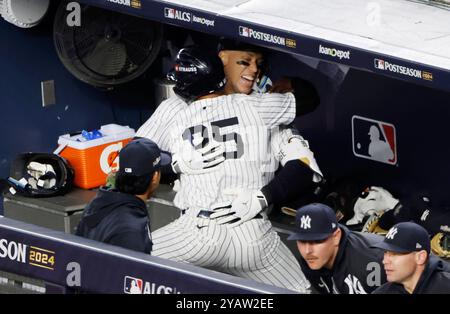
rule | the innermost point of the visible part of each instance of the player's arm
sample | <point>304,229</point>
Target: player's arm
<point>306,96</point>
<point>159,126</point>
<point>300,171</point>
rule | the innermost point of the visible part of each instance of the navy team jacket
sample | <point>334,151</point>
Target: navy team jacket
<point>357,269</point>
<point>118,219</point>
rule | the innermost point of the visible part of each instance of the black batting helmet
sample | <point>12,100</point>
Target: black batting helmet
<point>197,72</point>
<point>62,173</point>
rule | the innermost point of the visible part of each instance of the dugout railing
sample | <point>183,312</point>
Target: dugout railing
<point>71,264</point>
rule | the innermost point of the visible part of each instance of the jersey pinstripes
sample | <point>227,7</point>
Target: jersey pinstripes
<point>256,116</point>
<point>253,249</point>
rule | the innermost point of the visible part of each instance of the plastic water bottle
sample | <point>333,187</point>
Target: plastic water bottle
<point>91,135</point>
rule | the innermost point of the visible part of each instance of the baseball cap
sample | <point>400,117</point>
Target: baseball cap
<point>141,156</point>
<point>405,237</point>
<point>314,222</point>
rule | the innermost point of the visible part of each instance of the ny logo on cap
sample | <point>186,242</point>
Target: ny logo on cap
<point>305,222</point>
<point>418,246</point>
<point>391,233</point>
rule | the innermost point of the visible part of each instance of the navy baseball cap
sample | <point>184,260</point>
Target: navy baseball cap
<point>405,237</point>
<point>141,156</point>
<point>314,222</point>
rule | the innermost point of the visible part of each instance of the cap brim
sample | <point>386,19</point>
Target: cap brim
<point>309,236</point>
<point>166,159</point>
<point>389,247</point>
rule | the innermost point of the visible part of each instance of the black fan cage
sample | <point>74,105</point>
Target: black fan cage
<point>108,48</point>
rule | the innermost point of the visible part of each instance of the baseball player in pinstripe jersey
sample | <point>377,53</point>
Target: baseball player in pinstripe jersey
<point>226,144</point>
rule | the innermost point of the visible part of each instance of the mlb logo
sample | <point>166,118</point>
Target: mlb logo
<point>379,64</point>
<point>375,140</point>
<point>132,285</point>
<point>169,13</point>
<point>244,31</point>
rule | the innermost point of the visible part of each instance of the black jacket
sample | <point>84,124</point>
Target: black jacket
<point>357,269</point>
<point>434,280</point>
<point>117,218</point>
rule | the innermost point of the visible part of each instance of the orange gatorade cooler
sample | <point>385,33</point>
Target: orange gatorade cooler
<point>92,160</point>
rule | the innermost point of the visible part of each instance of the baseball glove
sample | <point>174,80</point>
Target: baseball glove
<point>440,245</point>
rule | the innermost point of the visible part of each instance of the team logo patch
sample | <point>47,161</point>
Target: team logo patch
<point>132,285</point>
<point>305,222</point>
<point>375,140</point>
<point>391,234</point>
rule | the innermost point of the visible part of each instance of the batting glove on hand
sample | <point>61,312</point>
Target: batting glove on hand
<point>298,148</point>
<point>188,160</point>
<point>244,207</point>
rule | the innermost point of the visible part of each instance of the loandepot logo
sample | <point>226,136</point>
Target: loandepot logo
<point>270,38</point>
<point>335,53</point>
<point>202,20</point>
<point>395,68</point>
<point>132,285</point>
<point>375,140</point>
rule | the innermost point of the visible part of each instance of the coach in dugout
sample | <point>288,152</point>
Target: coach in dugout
<point>119,216</point>
<point>410,269</point>
<point>334,259</point>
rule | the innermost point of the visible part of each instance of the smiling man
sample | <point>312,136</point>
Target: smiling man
<point>335,259</point>
<point>244,64</point>
<point>241,69</point>
<point>410,269</point>
<point>226,143</point>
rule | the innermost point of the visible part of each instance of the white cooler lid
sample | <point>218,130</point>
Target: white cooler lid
<point>111,133</point>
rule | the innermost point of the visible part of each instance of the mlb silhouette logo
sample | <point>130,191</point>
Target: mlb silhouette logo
<point>132,285</point>
<point>379,64</point>
<point>244,31</point>
<point>169,13</point>
<point>375,140</point>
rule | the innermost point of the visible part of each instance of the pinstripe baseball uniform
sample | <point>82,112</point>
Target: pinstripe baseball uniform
<point>243,124</point>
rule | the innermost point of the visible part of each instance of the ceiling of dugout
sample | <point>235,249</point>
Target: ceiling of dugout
<point>397,38</point>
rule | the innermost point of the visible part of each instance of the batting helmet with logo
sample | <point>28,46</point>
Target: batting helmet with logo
<point>197,72</point>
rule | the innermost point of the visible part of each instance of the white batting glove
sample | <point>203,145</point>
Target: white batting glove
<point>244,207</point>
<point>186,159</point>
<point>374,200</point>
<point>43,175</point>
